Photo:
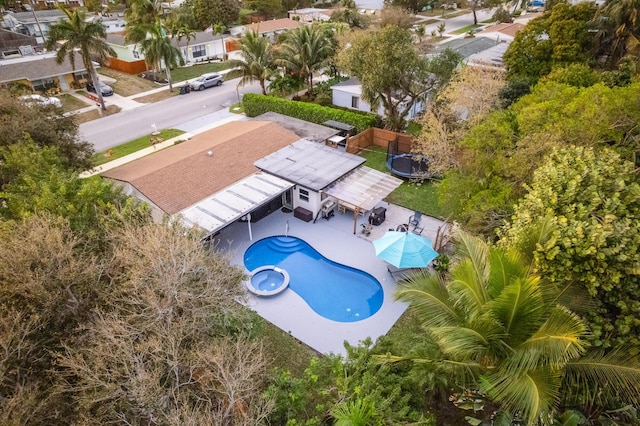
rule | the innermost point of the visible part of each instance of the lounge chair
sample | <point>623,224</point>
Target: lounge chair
<point>414,221</point>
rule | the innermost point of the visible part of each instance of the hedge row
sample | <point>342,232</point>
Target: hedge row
<point>255,105</point>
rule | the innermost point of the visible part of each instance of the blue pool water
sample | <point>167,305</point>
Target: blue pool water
<point>334,291</point>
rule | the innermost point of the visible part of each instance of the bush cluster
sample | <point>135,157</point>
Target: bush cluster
<point>255,105</point>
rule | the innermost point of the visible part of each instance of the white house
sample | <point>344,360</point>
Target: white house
<point>36,23</point>
<point>310,14</point>
<point>270,29</point>
<point>348,94</point>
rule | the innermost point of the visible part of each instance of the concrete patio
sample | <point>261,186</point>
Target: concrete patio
<point>335,240</point>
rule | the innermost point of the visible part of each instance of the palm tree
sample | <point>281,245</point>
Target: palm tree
<point>257,62</point>
<point>511,335</point>
<point>618,24</point>
<point>144,12</point>
<point>306,49</point>
<point>88,38</point>
<point>187,33</point>
<point>157,48</point>
<point>219,28</point>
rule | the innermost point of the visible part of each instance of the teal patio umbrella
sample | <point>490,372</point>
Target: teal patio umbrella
<point>405,249</point>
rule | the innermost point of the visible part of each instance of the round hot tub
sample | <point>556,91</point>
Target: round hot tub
<point>268,280</point>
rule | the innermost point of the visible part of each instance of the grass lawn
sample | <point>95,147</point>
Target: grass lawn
<point>127,84</point>
<point>193,71</point>
<point>95,114</point>
<point>132,146</point>
<point>237,108</point>
<point>71,103</point>
<point>466,29</point>
<point>413,196</point>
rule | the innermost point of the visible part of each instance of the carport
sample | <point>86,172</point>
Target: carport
<point>234,202</point>
<point>361,190</point>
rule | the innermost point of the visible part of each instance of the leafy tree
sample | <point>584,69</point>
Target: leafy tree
<point>396,16</point>
<point>592,198</point>
<point>208,12</point>
<point>502,15</point>
<point>306,50</point>
<point>75,33</point>
<point>144,12</point>
<point>36,180</point>
<point>257,63</point>
<point>618,25</point>
<point>391,71</point>
<point>577,75</point>
<point>510,335</point>
<point>47,126</point>
<point>357,389</point>
<point>266,8</point>
<point>349,14</point>
<point>557,38</point>
<point>502,152</point>
<point>414,6</point>
<point>471,94</point>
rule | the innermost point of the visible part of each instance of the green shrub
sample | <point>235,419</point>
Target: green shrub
<point>255,105</point>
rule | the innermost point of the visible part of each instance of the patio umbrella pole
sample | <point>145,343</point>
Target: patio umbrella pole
<point>249,223</point>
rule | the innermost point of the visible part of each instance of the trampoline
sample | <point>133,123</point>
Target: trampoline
<point>410,166</point>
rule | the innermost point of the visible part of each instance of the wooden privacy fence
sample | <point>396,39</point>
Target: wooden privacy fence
<point>379,137</point>
<point>135,67</point>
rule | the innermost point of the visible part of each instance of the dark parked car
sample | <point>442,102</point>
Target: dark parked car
<point>104,88</point>
<point>206,80</point>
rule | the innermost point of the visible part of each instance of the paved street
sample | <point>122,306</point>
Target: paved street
<point>129,124</point>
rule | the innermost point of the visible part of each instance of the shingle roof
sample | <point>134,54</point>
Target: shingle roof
<point>273,25</point>
<point>466,46</point>
<point>41,66</point>
<point>505,28</point>
<point>180,176</point>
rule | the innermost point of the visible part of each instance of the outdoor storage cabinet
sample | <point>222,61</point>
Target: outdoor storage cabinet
<point>303,214</point>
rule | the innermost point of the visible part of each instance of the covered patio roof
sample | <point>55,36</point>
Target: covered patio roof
<point>226,206</point>
<point>362,189</point>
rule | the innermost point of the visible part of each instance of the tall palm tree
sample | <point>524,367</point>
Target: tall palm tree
<point>306,49</point>
<point>511,335</point>
<point>257,63</point>
<point>219,28</point>
<point>144,12</point>
<point>156,45</point>
<point>88,38</point>
<point>185,32</point>
<point>618,24</point>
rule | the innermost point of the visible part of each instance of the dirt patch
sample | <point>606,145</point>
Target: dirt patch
<point>95,114</point>
<point>127,84</point>
<point>155,97</point>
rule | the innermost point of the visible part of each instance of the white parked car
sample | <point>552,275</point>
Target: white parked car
<point>41,100</point>
<point>206,80</point>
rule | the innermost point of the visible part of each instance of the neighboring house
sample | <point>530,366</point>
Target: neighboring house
<point>348,94</point>
<point>16,45</point>
<point>270,29</point>
<point>205,46</point>
<point>28,24</point>
<point>310,14</point>
<point>502,32</point>
<point>41,72</point>
<point>111,24</point>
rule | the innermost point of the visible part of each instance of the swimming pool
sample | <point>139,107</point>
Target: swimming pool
<point>334,291</point>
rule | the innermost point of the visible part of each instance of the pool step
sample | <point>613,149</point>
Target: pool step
<point>285,245</point>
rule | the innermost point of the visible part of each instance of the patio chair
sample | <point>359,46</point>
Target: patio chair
<point>414,221</point>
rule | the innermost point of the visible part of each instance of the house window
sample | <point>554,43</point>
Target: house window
<point>81,75</point>
<point>304,195</point>
<point>199,51</point>
<point>355,102</point>
<point>136,54</point>
<point>42,85</point>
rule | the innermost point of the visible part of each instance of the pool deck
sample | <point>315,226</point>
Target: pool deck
<point>335,240</point>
